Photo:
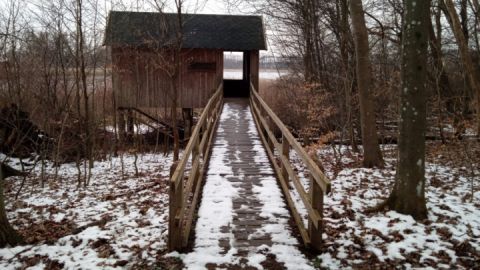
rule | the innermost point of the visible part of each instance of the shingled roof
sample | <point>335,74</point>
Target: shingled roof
<point>228,32</point>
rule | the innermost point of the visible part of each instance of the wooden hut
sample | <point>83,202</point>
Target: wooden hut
<point>143,44</point>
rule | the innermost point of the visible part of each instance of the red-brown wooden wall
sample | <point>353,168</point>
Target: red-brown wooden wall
<point>140,80</point>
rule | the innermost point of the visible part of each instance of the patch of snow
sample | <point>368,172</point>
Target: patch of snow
<point>391,237</point>
<point>109,194</point>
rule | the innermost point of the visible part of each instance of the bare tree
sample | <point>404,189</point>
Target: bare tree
<point>408,193</point>
<point>8,236</point>
<point>168,59</point>
<point>372,156</point>
<point>465,55</point>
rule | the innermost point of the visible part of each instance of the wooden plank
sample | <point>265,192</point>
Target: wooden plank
<point>254,67</point>
<point>189,218</point>
<point>195,135</point>
<point>315,171</point>
<point>315,232</point>
<point>178,197</point>
<point>194,172</point>
<point>285,152</point>
<point>285,165</point>
<point>206,158</point>
<point>312,213</point>
<point>175,203</point>
<point>145,83</point>
<point>296,216</point>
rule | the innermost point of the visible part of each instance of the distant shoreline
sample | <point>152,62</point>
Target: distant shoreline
<point>281,71</point>
<point>268,74</point>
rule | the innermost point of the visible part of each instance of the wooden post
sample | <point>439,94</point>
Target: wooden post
<point>254,68</point>
<point>205,132</point>
<point>130,129</point>
<point>271,143</point>
<point>188,118</point>
<point>195,154</point>
<point>121,125</point>
<point>316,197</point>
<point>175,204</point>
<point>286,154</point>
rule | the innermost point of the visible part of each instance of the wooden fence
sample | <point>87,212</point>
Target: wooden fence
<point>185,190</point>
<point>279,154</point>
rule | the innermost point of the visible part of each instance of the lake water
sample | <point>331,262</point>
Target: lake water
<point>236,74</point>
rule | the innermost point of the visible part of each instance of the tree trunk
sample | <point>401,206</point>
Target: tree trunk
<point>344,38</point>
<point>372,155</point>
<point>440,76</point>
<point>465,56</point>
<point>443,81</point>
<point>8,236</point>
<point>408,194</point>
<point>175,80</point>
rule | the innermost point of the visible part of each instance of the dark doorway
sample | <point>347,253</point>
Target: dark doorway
<point>236,70</point>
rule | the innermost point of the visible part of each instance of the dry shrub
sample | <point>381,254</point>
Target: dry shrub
<point>307,109</point>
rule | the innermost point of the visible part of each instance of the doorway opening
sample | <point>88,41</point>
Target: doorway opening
<point>235,74</point>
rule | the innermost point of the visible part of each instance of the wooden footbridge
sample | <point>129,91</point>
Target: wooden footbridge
<point>236,182</point>
<point>239,154</point>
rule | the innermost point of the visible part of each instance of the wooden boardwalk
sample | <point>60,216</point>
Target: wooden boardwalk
<point>243,221</point>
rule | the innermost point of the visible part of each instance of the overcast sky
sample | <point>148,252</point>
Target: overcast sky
<point>190,6</point>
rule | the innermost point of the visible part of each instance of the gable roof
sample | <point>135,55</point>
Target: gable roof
<point>228,32</point>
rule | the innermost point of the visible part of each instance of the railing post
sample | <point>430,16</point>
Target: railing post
<point>286,154</point>
<point>121,125</point>
<point>130,124</point>
<point>205,134</point>
<point>271,144</point>
<point>195,154</point>
<point>175,204</point>
<point>316,197</point>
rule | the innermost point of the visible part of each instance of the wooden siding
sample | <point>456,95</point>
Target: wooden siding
<point>139,79</point>
<point>3,70</point>
<point>254,68</point>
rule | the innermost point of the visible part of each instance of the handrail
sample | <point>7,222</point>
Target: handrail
<point>184,192</point>
<point>319,183</point>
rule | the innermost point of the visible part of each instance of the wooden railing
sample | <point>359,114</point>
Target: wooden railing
<point>185,190</point>
<point>267,122</point>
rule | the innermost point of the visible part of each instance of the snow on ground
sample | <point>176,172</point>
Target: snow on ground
<point>124,217</point>
<point>449,239</point>
<point>122,221</point>
<point>140,129</point>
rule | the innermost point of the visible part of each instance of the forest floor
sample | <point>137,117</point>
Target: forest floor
<point>449,239</point>
<point>121,219</point>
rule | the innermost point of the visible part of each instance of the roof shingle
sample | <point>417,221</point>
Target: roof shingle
<point>227,32</point>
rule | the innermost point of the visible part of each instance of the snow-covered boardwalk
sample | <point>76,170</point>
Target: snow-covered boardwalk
<point>243,219</point>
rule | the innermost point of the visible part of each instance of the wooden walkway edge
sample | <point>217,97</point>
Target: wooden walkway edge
<point>242,219</point>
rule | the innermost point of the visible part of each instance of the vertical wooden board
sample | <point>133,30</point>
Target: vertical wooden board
<point>219,69</point>
<point>201,90</point>
<point>185,80</point>
<point>151,94</point>
<point>140,82</point>
<point>316,197</point>
<point>156,99</point>
<point>254,68</point>
<point>115,76</point>
<point>182,83</point>
<point>137,80</point>
<point>161,90</point>
<point>191,78</point>
<point>203,75</point>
